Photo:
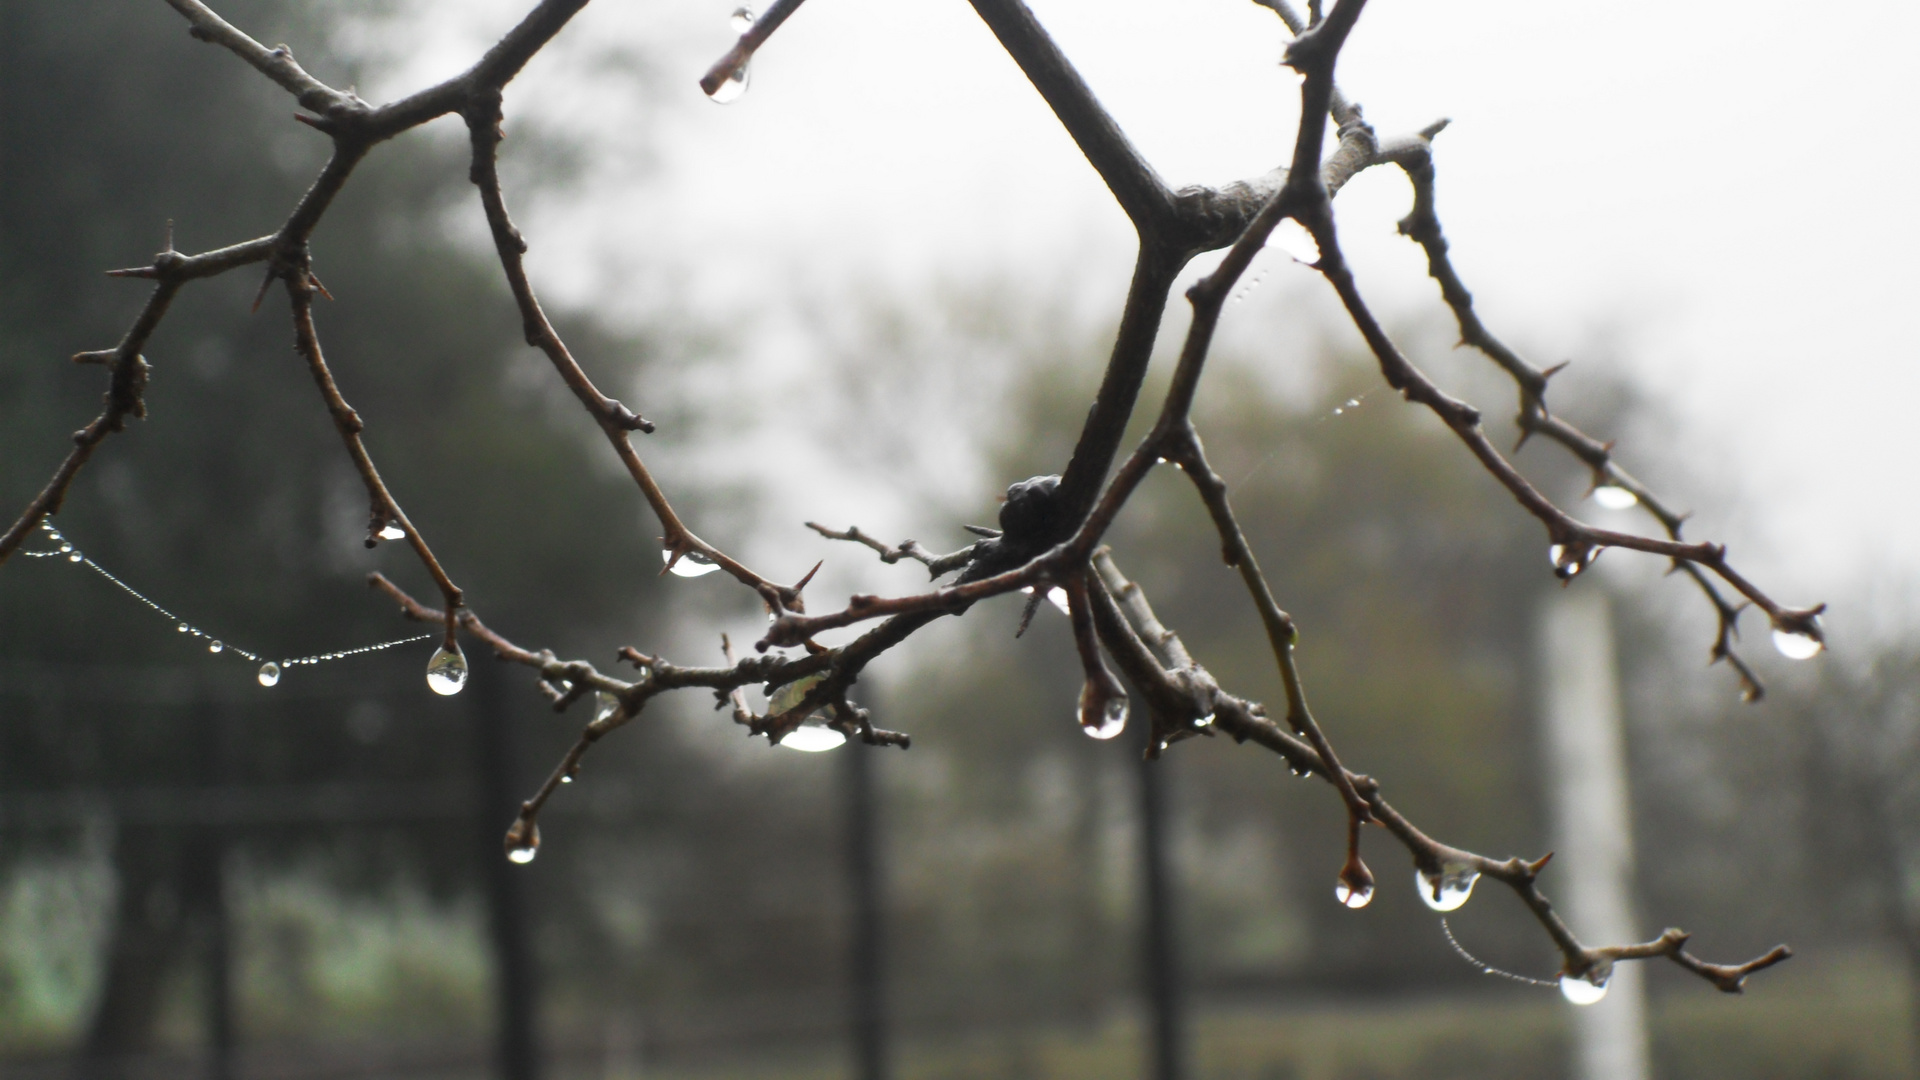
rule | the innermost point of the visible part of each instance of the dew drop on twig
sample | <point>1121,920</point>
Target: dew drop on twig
<point>447,672</point>
<point>1582,991</point>
<point>523,842</point>
<point>1797,646</point>
<point>1614,497</point>
<point>1352,897</point>
<point>813,738</point>
<point>1448,889</point>
<point>731,87</point>
<point>741,20</point>
<point>392,532</point>
<point>692,564</point>
<point>1112,720</point>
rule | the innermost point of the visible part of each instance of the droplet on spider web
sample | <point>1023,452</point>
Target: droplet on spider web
<point>65,547</point>
<point>1583,990</point>
<point>1614,497</point>
<point>692,564</point>
<point>731,87</point>
<point>1448,889</point>
<point>392,532</point>
<point>447,673</point>
<point>741,20</point>
<point>1795,645</point>
<point>215,645</point>
<point>183,628</point>
<point>1293,238</point>
<point>269,674</point>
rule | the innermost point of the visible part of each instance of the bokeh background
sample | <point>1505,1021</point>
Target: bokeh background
<point>875,290</point>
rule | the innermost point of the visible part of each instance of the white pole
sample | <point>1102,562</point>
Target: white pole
<point>1593,826</point>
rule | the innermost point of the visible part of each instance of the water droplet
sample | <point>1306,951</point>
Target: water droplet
<point>269,674</point>
<point>447,673</point>
<point>64,548</point>
<point>731,87</point>
<point>692,564</point>
<point>604,706</point>
<point>1581,991</point>
<point>393,532</point>
<point>1057,596</point>
<point>1205,721</point>
<point>523,841</point>
<point>1797,646</point>
<point>75,557</point>
<point>1353,403</point>
<point>215,645</point>
<point>183,628</point>
<point>813,738</point>
<point>566,778</point>
<point>1568,562</point>
<point>1293,238</point>
<point>1448,889</point>
<point>1352,897</point>
<point>1614,497</point>
<point>741,20</point>
<point>788,697</point>
<point>1112,720</point>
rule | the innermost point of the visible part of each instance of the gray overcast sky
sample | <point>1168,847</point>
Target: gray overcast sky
<point>1725,186</point>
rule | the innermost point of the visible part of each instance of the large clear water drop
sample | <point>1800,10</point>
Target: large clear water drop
<point>692,564</point>
<point>393,532</point>
<point>447,673</point>
<point>813,738</point>
<point>731,87</point>
<point>1293,238</point>
<point>269,674</point>
<point>1351,897</point>
<point>741,20</point>
<point>1448,889</point>
<point>523,842</point>
<point>215,646</point>
<point>605,705</point>
<point>1614,497</point>
<point>1580,991</point>
<point>1111,721</point>
<point>1797,646</point>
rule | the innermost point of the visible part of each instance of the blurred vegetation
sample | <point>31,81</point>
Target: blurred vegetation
<point>690,912</point>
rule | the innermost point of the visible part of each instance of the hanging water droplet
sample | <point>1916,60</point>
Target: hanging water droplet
<point>1568,562</point>
<point>269,674</point>
<point>1795,645</point>
<point>731,87</point>
<point>523,841</point>
<point>1205,721</point>
<point>1353,403</point>
<point>1057,596</point>
<point>1581,991</point>
<point>1352,897</point>
<point>1293,238</point>
<point>692,564</point>
<point>813,738</point>
<point>604,706</point>
<point>1448,889</point>
<point>75,557</point>
<point>741,20</point>
<point>64,548</point>
<point>1112,720</point>
<point>393,532</point>
<point>215,645</point>
<point>1614,497</point>
<point>183,628</point>
<point>447,673</point>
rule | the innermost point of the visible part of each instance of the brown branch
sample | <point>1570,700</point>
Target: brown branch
<point>733,65</point>
<point>1246,721</point>
<point>937,565</point>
